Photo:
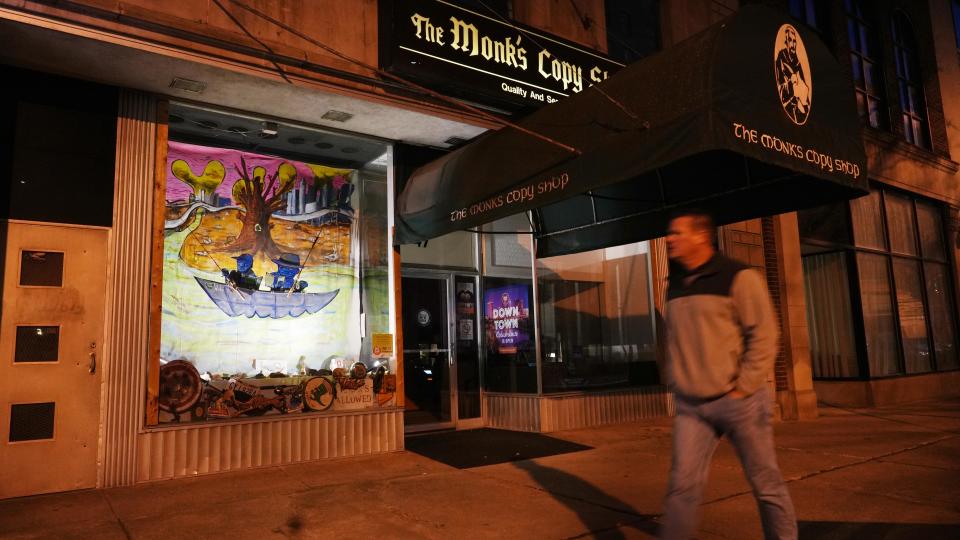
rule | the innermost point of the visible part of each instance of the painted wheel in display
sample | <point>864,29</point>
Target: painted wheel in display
<point>180,386</point>
<point>318,393</point>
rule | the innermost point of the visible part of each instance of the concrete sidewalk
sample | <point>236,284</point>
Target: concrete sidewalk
<point>866,473</point>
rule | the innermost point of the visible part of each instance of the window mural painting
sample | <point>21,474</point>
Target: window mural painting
<point>261,288</point>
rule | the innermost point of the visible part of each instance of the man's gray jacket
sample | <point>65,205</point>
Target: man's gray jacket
<point>721,330</point>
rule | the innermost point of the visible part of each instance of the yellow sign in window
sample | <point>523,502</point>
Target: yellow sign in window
<point>382,345</point>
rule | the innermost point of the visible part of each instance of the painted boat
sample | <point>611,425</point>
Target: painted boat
<point>236,301</point>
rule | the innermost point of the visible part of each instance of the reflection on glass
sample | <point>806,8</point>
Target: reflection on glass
<point>596,319</point>
<point>374,260</point>
<point>942,318</point>
<point>878,321</point>
<point>900,224</point>
<point>508,254</point>
<point>829,316</point>
<point>867,224</point>
<point>467,351</point>
<point>426,373</point>
<point>455,250</point>
<point>931,231</point>
<point>913,320</point>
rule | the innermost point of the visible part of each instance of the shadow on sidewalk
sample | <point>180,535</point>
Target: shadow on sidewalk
<point>840,530</point>
<point>573,491</point>
<point>479,447</point>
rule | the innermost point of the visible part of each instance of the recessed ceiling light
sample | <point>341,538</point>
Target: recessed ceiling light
<point>269,128</point>
<point>188,85</point>
<point>174,119</point>
<point>237,129</point>
<point>336,116</point>
<point>208,124</point>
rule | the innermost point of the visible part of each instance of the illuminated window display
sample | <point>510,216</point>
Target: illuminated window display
<point>274,272</point>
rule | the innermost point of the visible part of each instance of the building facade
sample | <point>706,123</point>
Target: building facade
<point>218,288</point>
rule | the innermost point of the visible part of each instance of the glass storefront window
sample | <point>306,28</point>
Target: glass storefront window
<point>900,224</point>
<point>596,319</point>
<point>913,319</point>
<point>511,357</point>
<point>878,320</point>
<point>509,337</point>
<point>942,316</point>
<point>867,221</point>
<point>931,232</point>
<point>906,288</point>
<point>275,270</point>
<point>829,316</point>
<point>456,250</point>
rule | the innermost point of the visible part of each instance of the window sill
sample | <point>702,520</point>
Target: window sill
<point>890,141</point>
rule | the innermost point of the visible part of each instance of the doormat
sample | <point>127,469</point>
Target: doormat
<point>478,447</point>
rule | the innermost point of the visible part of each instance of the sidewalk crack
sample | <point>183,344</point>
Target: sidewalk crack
<point>123,526</point>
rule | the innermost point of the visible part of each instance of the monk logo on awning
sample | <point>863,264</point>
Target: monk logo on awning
<point>792,71</point>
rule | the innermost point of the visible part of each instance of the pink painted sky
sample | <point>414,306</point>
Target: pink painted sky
<point>198,156</point>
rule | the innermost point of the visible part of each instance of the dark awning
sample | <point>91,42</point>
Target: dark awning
<point>701,124</point>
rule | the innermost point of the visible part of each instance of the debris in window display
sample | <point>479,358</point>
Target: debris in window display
<point>353,394</point>
<point>358,370</point>
<point>180,388</point>
<point>183,390</point>
<point>387,392</point>
<point>318,393</point>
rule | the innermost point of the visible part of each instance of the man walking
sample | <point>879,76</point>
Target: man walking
<point>721,343</point>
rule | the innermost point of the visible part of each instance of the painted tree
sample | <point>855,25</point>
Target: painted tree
<point>204,184</point>
<point>259,200</point>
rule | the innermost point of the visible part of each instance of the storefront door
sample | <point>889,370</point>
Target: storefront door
<point>439,326</point>
<point>50,348</point>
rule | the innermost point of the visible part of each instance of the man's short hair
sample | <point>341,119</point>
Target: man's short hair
<point>702,220</point>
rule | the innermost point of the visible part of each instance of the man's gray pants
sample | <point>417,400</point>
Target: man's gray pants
<point>697,429</point>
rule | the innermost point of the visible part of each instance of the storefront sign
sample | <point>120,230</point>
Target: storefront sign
<point>506,316</point>
<point>354,398</point>
<point>465,329</point>
<point>477,53</point>
<point>771,143</point>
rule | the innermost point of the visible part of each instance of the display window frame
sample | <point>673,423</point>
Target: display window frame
<point>367,263</point>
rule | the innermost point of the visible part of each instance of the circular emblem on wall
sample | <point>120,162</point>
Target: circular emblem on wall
<point>423,317</point>
<point>318,393</point>
<point>791,68</point>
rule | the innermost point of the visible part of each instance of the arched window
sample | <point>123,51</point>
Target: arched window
<point>813,12</point>
<point>865,62</point>
<point>913,105</point>
<point>955,9</point>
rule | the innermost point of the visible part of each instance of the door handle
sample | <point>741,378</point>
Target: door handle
<point>93,357</point>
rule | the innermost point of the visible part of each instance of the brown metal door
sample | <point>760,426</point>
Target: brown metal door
<point>51,332</point>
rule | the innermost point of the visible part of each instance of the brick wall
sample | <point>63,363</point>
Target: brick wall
<point>753,242</point>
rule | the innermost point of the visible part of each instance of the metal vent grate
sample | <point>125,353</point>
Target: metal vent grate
<point>37,344</point>
<point>188,85</point>
<point>31,421</point>
<point>336,116</point>
<point>41,268</point>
